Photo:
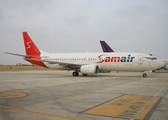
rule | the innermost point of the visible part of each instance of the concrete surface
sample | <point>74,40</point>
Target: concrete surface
<point>57,95</point>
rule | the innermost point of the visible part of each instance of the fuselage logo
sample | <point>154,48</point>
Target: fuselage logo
<point>105,58</point>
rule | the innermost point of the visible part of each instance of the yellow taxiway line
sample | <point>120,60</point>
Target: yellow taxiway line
<point>163,80</point>
<point>39,113</point>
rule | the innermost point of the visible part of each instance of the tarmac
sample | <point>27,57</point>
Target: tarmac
<point>57,95</point>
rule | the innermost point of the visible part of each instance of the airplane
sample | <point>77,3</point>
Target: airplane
<point>88,63</point>
<point>106,48</point>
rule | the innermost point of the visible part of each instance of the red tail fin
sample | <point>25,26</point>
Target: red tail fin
<point>32,50</point>
<point>30,47</point>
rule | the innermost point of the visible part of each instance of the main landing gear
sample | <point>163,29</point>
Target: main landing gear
<point>144,75</point>
<point>75,73</point>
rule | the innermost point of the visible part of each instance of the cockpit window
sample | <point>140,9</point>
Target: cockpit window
<point>151,58</point>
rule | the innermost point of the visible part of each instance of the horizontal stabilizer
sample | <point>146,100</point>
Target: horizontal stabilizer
<point>26,56</point>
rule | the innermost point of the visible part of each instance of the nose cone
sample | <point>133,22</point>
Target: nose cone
<point>160,64</point>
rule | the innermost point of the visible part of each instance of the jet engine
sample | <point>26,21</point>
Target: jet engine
<point>89,69</point>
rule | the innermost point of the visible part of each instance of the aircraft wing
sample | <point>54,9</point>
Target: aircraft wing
<point>65,64</point>
<point>26,56</point>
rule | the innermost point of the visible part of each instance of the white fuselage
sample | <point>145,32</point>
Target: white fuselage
<point>105,61</point>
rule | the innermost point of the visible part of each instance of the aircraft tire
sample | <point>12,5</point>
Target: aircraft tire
<point>75,73</point>
<point>144,75</point>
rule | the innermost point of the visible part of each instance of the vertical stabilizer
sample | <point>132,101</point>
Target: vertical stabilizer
<point>30,47</point>
<point>32,50</point>
<point>105,47</point>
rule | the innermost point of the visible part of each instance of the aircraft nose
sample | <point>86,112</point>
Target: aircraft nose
<point>160,64</point>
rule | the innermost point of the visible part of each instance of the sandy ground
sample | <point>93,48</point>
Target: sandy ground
<point>12,67</point>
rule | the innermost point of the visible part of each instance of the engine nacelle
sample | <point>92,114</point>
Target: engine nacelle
<point>89,69</point>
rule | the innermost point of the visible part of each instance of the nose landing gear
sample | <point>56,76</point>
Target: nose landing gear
<point>144,75</point>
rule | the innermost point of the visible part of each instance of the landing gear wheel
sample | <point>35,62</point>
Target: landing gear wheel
<point>144,75</point>
<point>75,73</point>
<point>84,74</point>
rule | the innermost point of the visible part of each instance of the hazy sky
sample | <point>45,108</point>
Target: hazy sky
<point>79,25</point>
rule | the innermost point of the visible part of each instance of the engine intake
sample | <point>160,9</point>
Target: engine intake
<point>89,69</point>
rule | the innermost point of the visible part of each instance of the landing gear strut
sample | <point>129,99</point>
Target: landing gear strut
<point>144,75</point>
<point>75,73</point>
<point>84,74</point>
